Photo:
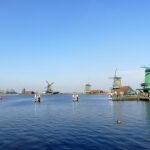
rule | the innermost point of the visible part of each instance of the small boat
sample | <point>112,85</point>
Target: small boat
<point>110,96</point>
<point>37,98</point>
<point>75,97</point>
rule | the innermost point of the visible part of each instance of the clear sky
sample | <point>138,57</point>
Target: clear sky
<point>73,42</point>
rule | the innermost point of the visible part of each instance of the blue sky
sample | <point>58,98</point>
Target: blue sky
<point>72,42</point>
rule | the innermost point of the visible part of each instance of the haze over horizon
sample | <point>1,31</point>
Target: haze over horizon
<point>73,42</point>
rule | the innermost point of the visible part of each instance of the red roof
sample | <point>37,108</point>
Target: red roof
<point>122,89</point>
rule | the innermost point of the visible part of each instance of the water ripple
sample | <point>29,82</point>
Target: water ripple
<point>57,123</point>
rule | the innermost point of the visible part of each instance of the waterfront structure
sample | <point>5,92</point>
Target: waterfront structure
<point>37,98</point>
<point>87,88</point>
<point>75,97</point>
<point>11,91</point>
<point>96,91</point>
<point>2,92</point>
<point>119,92</point>
<point>125,90</point>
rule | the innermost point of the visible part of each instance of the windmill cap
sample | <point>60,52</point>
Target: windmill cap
<point>147,70</point>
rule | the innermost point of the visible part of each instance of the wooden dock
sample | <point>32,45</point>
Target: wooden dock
<point>125,98</point>
<point>144,98</point>
<point>130,98</point>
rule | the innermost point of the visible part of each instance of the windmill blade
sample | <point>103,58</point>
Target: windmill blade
<point>145,67</point>
<point>47,82</point>
<point>52,83</point>
<point>111,78</point>
<point>116,72</point>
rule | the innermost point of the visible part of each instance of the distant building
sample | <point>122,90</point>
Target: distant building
<point>24,91</point>
<point>11,91</point>
<point>29,92</point>
<point>87,88</point>
<point>2,92</point>
<point>97,91</point>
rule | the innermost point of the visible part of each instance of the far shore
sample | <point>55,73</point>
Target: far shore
<point>69,93</point>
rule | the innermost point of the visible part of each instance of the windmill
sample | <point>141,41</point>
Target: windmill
<point>146,84</point>
<point>49,88</point>
<point>87,88</point>
<point>116,81</point>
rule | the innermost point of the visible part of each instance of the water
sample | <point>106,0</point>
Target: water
<point>58,123</point>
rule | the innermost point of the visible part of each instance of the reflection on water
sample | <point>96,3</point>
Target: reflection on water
<point>148,112</point>
<point>1,100</point>
<point>117,110</point>
<point>36,107</point>
<point>58,123</point>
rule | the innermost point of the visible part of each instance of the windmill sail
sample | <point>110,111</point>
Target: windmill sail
<point>49,88</point>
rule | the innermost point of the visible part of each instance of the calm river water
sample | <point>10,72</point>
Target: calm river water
<point>58,123</point>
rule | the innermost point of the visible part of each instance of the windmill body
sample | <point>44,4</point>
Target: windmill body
<point>87,88</point>
<point>146,84</point>
<point>116,81</point>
